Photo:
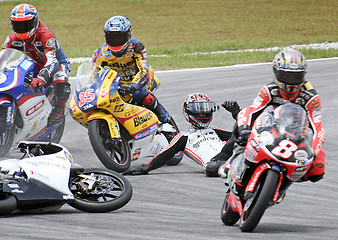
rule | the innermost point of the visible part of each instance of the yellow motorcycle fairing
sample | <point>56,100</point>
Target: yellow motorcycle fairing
<point>139,121</point>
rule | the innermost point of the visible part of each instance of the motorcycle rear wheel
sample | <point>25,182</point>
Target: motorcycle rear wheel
<point>113,153</point>
<point>251,215</point>
<point>110,192</point>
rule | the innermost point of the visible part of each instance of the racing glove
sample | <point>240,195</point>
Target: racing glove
<point>126,89</point>
<point>243,135</point>
<point>140,170</point>
<point>233,107</point>
<point>38,82</point>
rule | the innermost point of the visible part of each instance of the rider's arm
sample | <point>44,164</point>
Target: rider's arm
<point>313,108</point>
<point>144,73</point>
<point>50,45</point>
<point>176,145</point>
<point>223,134</point>
<point>247,115</point>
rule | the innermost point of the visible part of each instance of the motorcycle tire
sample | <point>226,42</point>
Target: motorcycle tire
<point>228,216</point>
<point>111,191</point>
<point>8,203</point>
<point>251,216</point>
<point>169,136</point>
<point>114,154</point>
<point>56,135</point>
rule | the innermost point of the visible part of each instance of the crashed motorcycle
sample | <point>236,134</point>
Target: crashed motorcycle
<point>119,130</point>
<point>23,112</point>
<point>277,154</point>
<point>46,178</point>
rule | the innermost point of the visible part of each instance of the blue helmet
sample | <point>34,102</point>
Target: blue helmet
<point>117,32</point>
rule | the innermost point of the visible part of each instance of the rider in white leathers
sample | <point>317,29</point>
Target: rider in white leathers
<point>201,142</point>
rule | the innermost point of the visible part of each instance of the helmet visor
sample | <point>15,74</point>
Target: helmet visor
<point>23,26</point>
<point>290,77</point>
<point>201,107</point>
<point>116,39</point>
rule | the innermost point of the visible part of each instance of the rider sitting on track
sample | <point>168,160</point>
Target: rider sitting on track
<point>289,86</point>
<point>200,142</point>
<point>128,56</point>
<point>32,37</point>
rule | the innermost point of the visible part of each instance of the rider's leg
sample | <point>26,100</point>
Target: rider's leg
<point>62,92</point>
<point>151,102</point>
<point>317,170</point>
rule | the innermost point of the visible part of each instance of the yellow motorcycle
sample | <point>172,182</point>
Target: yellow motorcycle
<point>119,131</point>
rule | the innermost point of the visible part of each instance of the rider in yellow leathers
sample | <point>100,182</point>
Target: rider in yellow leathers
<point>128,56</point>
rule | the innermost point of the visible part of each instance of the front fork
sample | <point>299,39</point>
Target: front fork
<point>242,189</point>
<point>8,112</point>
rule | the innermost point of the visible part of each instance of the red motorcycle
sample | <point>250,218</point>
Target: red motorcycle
<point>278,153</point>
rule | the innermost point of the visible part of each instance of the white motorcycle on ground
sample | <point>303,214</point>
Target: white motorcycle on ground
<point>46,178</point>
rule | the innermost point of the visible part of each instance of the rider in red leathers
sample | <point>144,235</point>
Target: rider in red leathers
<point>32,37</point>
<point>200,142</point>
<point>289,86</point>
<point>128,56</point>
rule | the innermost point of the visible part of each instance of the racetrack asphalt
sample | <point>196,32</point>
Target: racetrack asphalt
<point>180,202</point>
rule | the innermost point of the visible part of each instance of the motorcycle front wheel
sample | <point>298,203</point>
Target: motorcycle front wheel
<point>6,134</point>
<point>98,191</point>
<point>255,206</point>
<point>113,153</point>
<point>56,135</point>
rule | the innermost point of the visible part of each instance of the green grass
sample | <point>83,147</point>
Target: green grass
<point>178,27</point>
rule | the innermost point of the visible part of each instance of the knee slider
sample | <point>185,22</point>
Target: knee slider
<point>149,100</point>
<point>62,90</point>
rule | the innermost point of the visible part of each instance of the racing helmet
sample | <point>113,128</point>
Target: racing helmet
<point>291,119</point>
<point>24,21</point>
<point>289,69</point>
<point>117,32</point>
<point>198,109</point>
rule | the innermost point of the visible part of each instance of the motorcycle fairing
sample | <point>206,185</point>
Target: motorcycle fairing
<point>235,203</point>
<point>298,161</point>
<point>103,94</point>
<point>250,187</point>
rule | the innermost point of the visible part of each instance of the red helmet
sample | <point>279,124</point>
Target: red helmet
<point>198,109</point>
<point>24,21</point>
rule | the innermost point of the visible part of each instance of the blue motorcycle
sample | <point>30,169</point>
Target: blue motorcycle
<point>23,111</point>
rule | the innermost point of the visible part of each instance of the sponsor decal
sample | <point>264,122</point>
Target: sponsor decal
<point>26,64</point>
<point>138,120</point>
<point>35,108</point>
<point>103,94</point>
<point>17,43</point>
<point>302,156</point>
<point>300,101</point>
<point>136,154</point>
<point>50,43</point>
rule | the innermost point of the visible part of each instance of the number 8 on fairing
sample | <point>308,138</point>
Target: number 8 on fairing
<point>285,149</point>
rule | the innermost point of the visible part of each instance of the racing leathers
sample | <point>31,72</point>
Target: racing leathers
<point>307,97</point>
<point>52,65</point>
<point>199,144</point>
<point>138,78</point>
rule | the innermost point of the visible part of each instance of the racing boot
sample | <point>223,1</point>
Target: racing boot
<point>56,115</point>
<point>62,92</point>
<point>151,102</point>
